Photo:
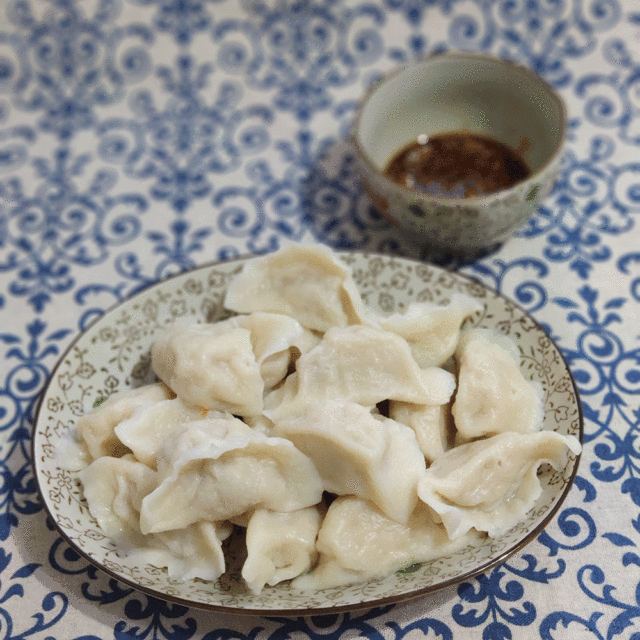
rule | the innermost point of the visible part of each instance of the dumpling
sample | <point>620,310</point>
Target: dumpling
<point>307,283</point>
<point>277,339</point>
<point>97,427</point>
<point>493,395</point>
<point>431,330</point>
<point>218,468</point>
<point>272,399</point>
<point>114,489</point>
<point>432,424</point>
<point>210,369</point>
<point>359,454</point>
<point>364,365</point>
<point>491,484</point>
<point>145,431</point>
<point>275,367</point>
<point>357,542</point>
<point>192,552</point>
<point>280,546</point>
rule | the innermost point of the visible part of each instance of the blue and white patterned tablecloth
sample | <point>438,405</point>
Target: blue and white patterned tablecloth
<point>139,138</point>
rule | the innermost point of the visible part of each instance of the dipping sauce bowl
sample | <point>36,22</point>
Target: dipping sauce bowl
<point>459,149</point>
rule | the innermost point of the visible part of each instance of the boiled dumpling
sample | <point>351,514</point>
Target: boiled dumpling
<point>145,431</point>
<point>432,424</point>
<point>210,369</point>
<point>364,365</point>
<point>114,489</point>
<point>97,427</point>
<point>192,552</point>
<point>277,355</point>
<point>277,339</point>
<point>307,283</point>
<point>491,484</point>
<point>280,546</point>
<point>272,399</point>
<point>493,395</point>
<point>431,330</point>
<point>359,454</point>
<point>358,542</point>
<point>218,468</point>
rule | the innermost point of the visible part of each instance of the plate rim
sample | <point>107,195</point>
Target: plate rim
<point>323,610</point>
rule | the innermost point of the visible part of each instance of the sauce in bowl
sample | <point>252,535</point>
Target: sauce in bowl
<point>458,165</point>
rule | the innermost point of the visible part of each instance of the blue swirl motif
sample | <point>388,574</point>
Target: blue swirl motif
<point>17,403</point>
<point>155,612</point>
<point>592,199</point>
<point>15,623</point>
<point>488,589</point>
<point>414,10</point>
<point>303,50</point>
<point>492,590</point>
<point>65,65</point>
<point>14,150</point>
<point>626,263</point>
<point>175,250</point>
<point>61,226</point>
<point>612,100</point>
<point>608,377</point>
<point>541,34</point>
<point>318,192</point>
<point>181,145</point>
<point>67,562</point>
<point>530,294</point>
<point>136,607</point>
<point>590,577</point>
<point>183,19</point>
<point>330,627</point>
<point>101,297</point>
<point>334,207</point>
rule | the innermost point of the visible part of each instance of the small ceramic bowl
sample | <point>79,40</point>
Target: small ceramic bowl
<point>466,93</point>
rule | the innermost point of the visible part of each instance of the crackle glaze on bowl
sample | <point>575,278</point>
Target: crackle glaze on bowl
<point>460,92</point>
<point>113,354</point>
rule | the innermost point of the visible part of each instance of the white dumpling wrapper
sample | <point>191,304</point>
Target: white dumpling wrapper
<point>357,542</point>
<point>218,468</point>
<point>432,424</point>
<point>114,489</point>
<point>273,399</point>
<point>96,428</point>
<point>359,454</point>
<point>274,337</point>
<point>493,395</point>
<point>280,546</point>
<point>278,341</point>
<point>492,484</point>
<point>364,365</point>
<point>145,431</point>
<point>192,552</point>
<point>210,369</point>
<point>431,330</point>
<point>308,283</point>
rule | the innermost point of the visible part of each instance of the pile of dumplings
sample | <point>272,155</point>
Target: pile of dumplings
<point>343,445</point>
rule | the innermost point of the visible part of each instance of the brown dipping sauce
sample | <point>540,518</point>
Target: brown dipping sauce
<point>458,165</point>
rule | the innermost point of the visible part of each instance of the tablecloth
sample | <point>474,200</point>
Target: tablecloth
<point>141,138</point>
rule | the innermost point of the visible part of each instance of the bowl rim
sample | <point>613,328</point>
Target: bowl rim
<point>481,200</point>
<point>324,610</point>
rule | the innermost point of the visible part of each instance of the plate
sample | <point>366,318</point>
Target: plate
<point>114,354</point>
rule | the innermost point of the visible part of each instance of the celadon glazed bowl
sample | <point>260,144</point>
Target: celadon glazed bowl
<point>460,93</point>
<point>114,354</point>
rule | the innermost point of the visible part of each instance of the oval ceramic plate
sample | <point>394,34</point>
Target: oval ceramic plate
<point>113,354</point>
